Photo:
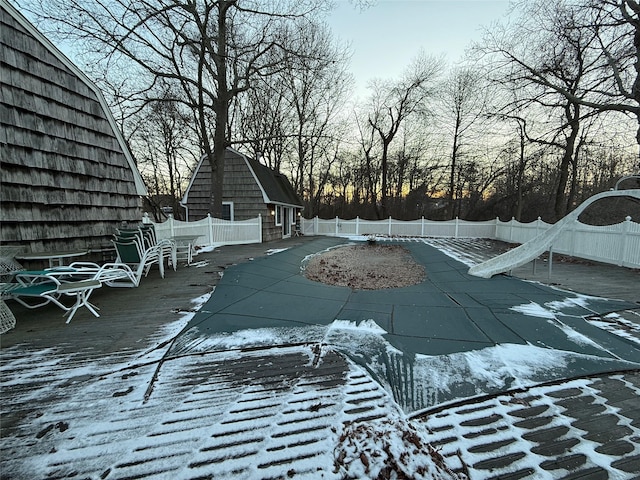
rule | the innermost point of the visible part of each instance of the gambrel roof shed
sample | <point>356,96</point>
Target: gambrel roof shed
<point>250,189</point>
<point>245,179</point>
<point>68,178</point>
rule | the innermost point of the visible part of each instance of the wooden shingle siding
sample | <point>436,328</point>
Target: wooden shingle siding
<point>242,187</point>
<point>239,187</point>
<point>66,181</point>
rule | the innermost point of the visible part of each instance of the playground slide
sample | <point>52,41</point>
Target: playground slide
<point>536,246</point>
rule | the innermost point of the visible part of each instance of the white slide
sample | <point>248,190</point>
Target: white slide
<point>541,243</point>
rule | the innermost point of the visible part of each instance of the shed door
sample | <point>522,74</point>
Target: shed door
<point>286,222</point>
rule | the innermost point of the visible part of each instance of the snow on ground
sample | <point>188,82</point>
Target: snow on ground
<point>108,424</point>
<point>417,382</point>
<point>500,421</point>
<point>146,414</point>
<point>535,310</point>
<point>618,325</point>
<point>553,311</point>
<point>204,248</point>
<point>199,264</point>
<point>273,251</point>
<point>143,414</point>
<point>499,368</point>
<point>105,419</point>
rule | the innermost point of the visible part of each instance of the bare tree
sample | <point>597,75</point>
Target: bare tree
<point>264,122</point>
<point>463,103</point>
<point>605,33</point>
<point>162,142</point>
<point>293,118</point>
<point>317,85</point>
<point>212,51</point>
<point>554,55</point>
<point>392,102</point>
<point>367,148</point>
<point>616,25</point>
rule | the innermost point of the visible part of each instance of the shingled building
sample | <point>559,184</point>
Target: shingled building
<point>67,177</point>
<point>250,189</point>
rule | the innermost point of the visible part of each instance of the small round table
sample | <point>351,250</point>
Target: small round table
<point>56,258</point>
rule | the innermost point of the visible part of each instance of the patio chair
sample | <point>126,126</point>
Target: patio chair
<point>145,235</point>
<point>8,264</point>
<point>130,252</point>
<point>45,287</point>
<point>36,288</point>
<point>8,267</point>
<point>169,247</point>
<point>112,274</point>
<point>148,234</point>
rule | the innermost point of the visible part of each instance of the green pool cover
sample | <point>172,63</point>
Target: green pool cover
<point>450,337</point>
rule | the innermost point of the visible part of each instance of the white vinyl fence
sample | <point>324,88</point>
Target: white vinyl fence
<point>211,231</point>
<point>616,244</point>
<point>412,228</point>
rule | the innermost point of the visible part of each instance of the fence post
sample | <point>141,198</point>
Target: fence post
<point>422,226</point>
<point>337,225</point>
<point>390,227</point>
<point>455,235</point>
<point>145,218</point>
<point>210,229</point>
<point>511,222</point>
<point>260,227</point>
<point>315,225</point>
<point>625,234</point>
<point>357,225</point>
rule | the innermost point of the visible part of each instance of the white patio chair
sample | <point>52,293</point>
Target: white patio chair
<point>111,274</point>
<point>130,252</point>
<point>45,287</point>
<point>145,235</point>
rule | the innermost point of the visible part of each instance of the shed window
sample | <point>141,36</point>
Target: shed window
<point>278,215</point>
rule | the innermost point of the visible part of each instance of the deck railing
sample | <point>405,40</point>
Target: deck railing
<point>616,244</point>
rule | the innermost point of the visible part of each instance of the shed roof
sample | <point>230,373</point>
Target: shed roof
<point>275,187</point>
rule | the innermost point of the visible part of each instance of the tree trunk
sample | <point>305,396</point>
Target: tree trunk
<point>452,176</point>
<point>560,205</point>
<point>636,83</point>
<point>521,166</point>
<point>384,209</point>
<point>221,110</point>
<point>638,141</point>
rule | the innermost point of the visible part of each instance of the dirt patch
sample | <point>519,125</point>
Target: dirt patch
<point>366,267</point>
